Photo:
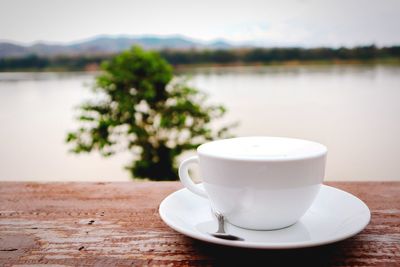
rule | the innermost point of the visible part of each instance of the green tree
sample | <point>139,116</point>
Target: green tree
<point>144,109</point>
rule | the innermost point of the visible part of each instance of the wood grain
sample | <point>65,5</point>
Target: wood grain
<point>109,224</point>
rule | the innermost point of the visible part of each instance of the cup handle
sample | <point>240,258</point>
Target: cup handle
<point>185,178</point>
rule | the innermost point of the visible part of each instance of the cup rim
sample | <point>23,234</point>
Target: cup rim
<point>323,151</point>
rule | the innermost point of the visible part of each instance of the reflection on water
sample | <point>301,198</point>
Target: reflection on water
<point>353,110</point>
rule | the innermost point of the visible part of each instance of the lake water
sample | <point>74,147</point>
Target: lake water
<point>354,110</point>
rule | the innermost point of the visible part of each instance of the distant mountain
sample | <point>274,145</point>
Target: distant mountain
<point>107,45</point>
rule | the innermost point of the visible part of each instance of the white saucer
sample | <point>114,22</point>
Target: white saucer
<point>335,215</point>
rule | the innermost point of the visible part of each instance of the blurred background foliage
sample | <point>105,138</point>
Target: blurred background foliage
<point>147,111</point>
<point>363,54</point>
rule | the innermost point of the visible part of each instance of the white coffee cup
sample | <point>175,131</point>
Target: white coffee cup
<point>259,183</point>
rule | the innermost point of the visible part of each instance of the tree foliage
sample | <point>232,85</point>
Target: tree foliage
<point>369,53</point>
<point>146,110</point>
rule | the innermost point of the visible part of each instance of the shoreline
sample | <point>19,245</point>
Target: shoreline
<point>183,67</point>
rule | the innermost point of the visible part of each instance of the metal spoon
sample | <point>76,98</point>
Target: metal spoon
<point>220,233</point>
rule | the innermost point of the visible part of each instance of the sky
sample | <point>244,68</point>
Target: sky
<point>280,23</point>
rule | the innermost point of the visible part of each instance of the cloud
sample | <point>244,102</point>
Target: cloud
<point>305,23</point>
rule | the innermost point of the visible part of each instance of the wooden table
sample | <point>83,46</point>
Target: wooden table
<point>118,224</point>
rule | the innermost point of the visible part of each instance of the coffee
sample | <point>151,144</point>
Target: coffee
<point>262,148</point>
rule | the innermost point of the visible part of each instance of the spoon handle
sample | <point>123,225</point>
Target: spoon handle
<point>221,222</point>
